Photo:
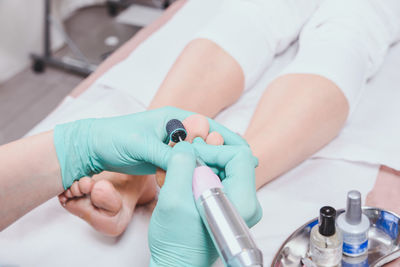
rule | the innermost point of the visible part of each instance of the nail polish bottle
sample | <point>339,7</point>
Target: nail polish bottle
<point>325,242</point>
<point>354,226</point>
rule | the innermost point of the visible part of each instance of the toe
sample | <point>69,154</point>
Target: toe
<point>160,177</point>
<point>102,222</point>
<point>81,207</point>
<point>76,192</point>
<point>86,185</point>
<point>214,138</point>
<point>68,193</point>
<point>196,126</point>
<point>105,196</point>
<point>148,192</point>
<point>102,208</point>
<point>62,198</point>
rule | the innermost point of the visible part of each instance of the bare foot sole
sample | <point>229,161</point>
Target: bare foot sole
<point>107,200</point>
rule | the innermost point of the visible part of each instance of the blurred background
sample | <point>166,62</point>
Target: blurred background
<point>49,46</point>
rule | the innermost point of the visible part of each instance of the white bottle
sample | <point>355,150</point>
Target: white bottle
<point>354,226</point>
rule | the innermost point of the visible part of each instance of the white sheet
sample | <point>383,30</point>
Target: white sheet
<point>49,236</point>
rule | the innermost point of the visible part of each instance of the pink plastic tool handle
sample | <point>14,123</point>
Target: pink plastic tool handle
<point>203,179</point>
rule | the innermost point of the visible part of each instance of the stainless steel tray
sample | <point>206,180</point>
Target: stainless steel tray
<point>384,239</point>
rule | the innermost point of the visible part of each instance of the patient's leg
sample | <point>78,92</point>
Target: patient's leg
<point>302,111</point>
<point>107,201</point>
<point>297,115</point>
<point>207,78</point>
<point>209,75</point>
<point>204,79</point>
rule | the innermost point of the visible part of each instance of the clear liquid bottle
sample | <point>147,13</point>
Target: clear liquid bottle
<point>354,226</point>
<point>325,242</point>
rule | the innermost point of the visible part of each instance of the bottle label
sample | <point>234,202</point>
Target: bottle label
<point>351,238</point>
<point>355,262</point>
<point>326,256</point>
<point>355,249</point>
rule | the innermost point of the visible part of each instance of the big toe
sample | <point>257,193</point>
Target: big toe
<point>196,126</point>
<point>105,197</point>
<point>86,185</point>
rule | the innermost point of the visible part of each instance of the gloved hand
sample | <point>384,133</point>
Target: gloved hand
<point>130,144</point>
<point>235,165</point>
<point>177,236</point>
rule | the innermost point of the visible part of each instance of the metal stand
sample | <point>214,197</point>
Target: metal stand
<point>113,6</point>
<point>81,66</point>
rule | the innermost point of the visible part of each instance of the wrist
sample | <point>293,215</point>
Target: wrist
<point>71,141</point>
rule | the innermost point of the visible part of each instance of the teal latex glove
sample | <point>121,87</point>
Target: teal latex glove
<point>236,168</point>
<point>177,236</point>
<point>130,144</point>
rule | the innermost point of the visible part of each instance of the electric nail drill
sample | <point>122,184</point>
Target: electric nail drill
<point>229,232</point>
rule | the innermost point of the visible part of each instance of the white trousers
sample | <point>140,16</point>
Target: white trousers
<point>253,31</point>
<point>344,41</point>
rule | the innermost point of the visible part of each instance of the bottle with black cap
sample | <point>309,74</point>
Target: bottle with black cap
<point>325,242</point>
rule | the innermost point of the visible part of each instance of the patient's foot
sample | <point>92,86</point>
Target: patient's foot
<point>385,193</point>
<point>107,200</point>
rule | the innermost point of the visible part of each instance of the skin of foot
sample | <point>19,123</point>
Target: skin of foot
<point>107,200</point>
<point>385,193</point>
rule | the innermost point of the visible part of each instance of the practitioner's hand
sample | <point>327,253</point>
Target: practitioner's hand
<point>130,144</point>
<point>235,165</point>
<point>177,236</point>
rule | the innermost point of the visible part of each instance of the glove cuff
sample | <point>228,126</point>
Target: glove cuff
<point>72,148</point>
<point>153,263</point>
